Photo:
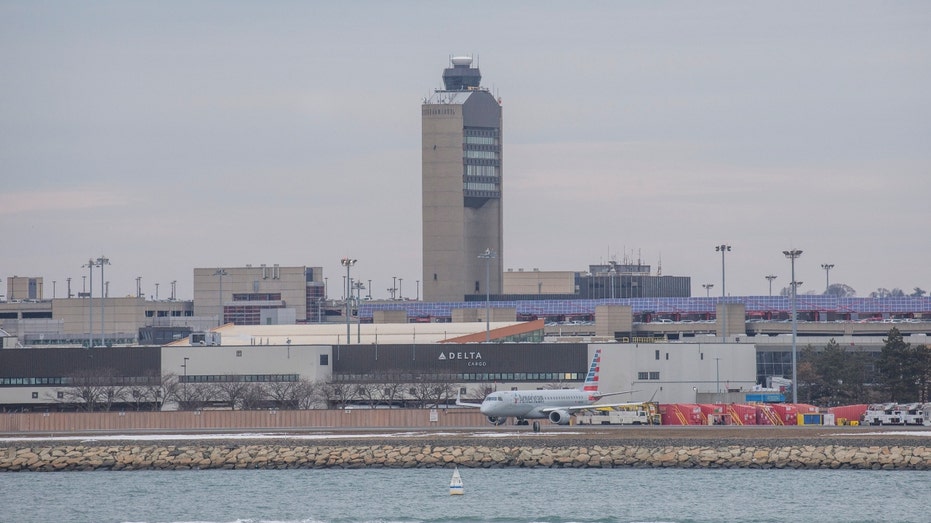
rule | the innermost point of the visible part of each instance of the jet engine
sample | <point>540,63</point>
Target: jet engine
<point>496,420</point>
<point>559,417</point>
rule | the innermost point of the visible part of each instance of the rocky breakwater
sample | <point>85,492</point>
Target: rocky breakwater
<point>281,454</point>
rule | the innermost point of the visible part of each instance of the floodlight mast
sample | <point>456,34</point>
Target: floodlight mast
<point>793,287</point>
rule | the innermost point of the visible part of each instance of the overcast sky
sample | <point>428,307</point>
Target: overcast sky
<point>174,135</point>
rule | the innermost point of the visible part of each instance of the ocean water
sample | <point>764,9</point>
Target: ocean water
<point>491,495</point>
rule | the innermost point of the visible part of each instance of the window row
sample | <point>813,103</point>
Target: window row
<point>481,170</point>
<point>488,155</point>
<point>479,186</point>
<point>466,377</point>
<point>238,378</point>
<point>481,140</point>
<point>81,381</point>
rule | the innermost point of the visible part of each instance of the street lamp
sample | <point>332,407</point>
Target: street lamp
<point>348,263</point>
<point>707,287</point>
<point>488,255</point>
<point>827,275</point>
<point>220,316</point>
<point>792,255</point>
<point>770,277</point>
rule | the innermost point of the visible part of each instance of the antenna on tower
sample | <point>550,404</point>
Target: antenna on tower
<point>659,265</point>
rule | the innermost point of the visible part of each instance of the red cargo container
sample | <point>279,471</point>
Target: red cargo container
<point>743,414</point>
<point>848,412</point>
<point>681,414</point>
<point>786,413</point>
<point>716,412</point>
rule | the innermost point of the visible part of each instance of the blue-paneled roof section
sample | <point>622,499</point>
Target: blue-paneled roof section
<point>696,305</point>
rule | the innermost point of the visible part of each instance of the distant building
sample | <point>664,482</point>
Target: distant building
<point>600,282</point>
<point>260,295</point>
<point>462,187</point>
<point>21,288</point>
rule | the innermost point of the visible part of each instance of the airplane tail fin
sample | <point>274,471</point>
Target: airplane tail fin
<point>591,380</point>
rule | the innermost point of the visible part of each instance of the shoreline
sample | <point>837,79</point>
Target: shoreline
<point>645,447</point>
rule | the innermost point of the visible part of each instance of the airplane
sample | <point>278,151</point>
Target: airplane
<point>554,405</point>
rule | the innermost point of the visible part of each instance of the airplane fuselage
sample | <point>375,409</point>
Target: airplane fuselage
<point>530,404</point>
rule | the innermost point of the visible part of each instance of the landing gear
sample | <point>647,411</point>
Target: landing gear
<point>520,421</point>
<point>536,426</point>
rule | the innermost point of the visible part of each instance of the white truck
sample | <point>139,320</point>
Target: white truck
<point>896,414</point>
<point>635,414</point>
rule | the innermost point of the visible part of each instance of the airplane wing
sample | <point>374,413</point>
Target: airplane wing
<point>600,395</point>
<point>460,403</point>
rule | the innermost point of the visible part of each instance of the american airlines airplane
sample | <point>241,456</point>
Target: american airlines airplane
<point>555,405</point>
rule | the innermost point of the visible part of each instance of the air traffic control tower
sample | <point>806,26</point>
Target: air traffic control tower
<point>462,187</point>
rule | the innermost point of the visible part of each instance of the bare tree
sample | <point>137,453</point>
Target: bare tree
<point>254,396</point>
<point>392,392</point>
<point>231,392</point>
<point>337,394</point>
<point>309,394</point>
<point>91,389</point>
<point>111,395</point>
<point>840,290</point>
<point>194,396</point>
<point>284,394</point>
<point>150,395</point>
<point>433,392</point>
<point>370,393</point>
<point>481,390</point>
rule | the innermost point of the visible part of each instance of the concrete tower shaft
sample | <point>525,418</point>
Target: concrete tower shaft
<point>461,186</point>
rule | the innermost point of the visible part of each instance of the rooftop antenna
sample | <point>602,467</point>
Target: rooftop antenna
<point>659,265</point>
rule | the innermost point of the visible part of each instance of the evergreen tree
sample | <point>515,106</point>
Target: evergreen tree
<point>905,371</point>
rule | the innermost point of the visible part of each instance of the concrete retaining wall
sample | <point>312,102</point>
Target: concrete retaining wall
<point>63,422</point>
<point>29,456</point>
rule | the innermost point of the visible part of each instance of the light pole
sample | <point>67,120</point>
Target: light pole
<point>707,287</point>
<point>348,263</point>
<point>220,316</point>
<point>184,366</point>
<point>101,261</point>
<point>792,255</point>
<point>400,287</point>
<point>611,271</point>
<point>723,248</point>
<point>827,275</point>
<point>488,255</point>
<point>90,301</point>
<point>770,278</point>
<point>717,377</point>
<point>417,298</point>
